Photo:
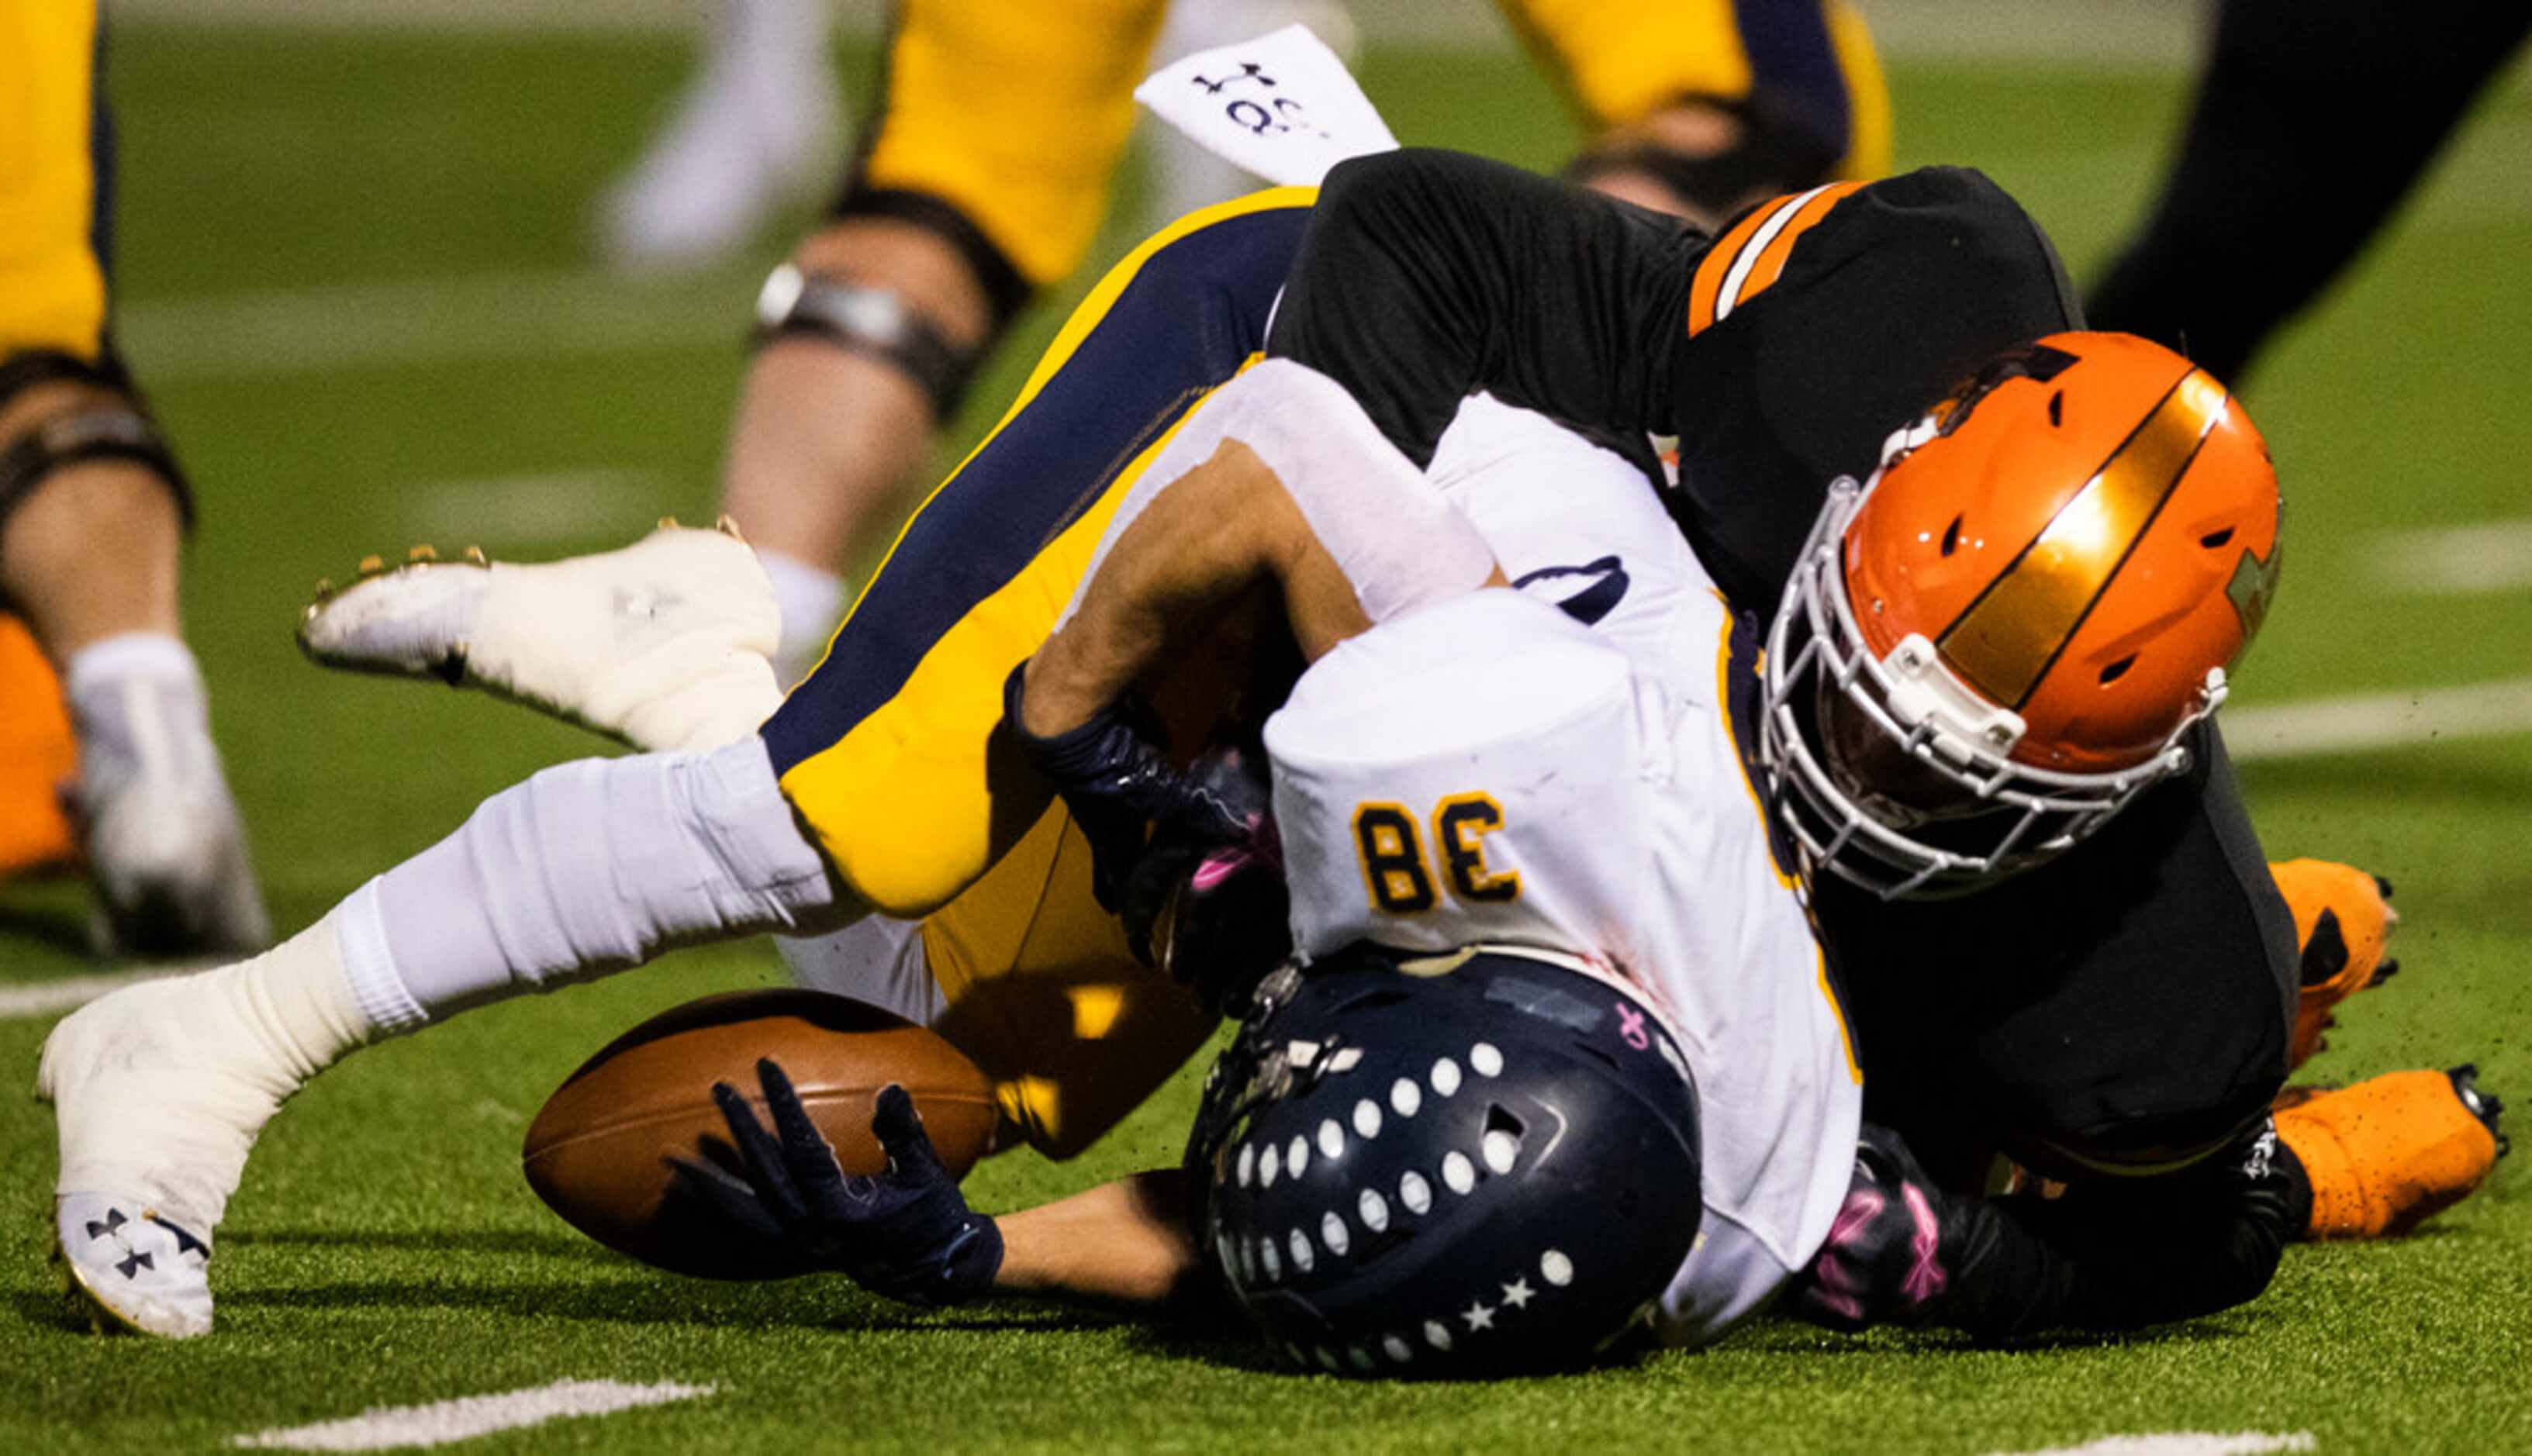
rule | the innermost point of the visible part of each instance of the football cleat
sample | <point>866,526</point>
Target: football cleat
<point>158,1091</point>
<point>2388,1152</point>
<point>167,850</point>
<point>2343,923</point>
<point>663,644</point>
<point>132,1267</point>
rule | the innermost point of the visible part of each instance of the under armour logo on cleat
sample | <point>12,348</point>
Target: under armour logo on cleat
<point>114,1220</point>
<point>128,1267</point>
<point>185,1243</point>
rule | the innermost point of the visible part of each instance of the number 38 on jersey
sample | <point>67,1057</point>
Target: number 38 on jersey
<point>1401,880</point>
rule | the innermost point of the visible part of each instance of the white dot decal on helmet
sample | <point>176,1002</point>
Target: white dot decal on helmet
<point>1456,1171</point>
<point>1247,1263</point>
<point>1437,1334</point>
<point>1297,1155</point>
<point>1268,1166</point>
<point>1404,1097</point>
<point>1332,1230</point>
<point>1247,1163</point>
<point>1361,1357</point>
<point>1414,1191</point>
<point>1445,1076</point>
<point>1331,1137</point>
<point>1366,1118</point>
<point>1328,1358</point>
<point>1273,1261</point>
<point>1398,1349</point>
<point>1486,1059</point>
<point>1555,1268</point>
<point>1374,1209</point>
<point>1498,1146</point>
<point>1302,1256</point>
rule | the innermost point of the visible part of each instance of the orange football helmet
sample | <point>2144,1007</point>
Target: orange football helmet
<point>1999,640</point>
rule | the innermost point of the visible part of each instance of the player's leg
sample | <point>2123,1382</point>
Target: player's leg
<point>899,716</point>
<point>2116,1013</point>
<point>92,517</point>
<point>160,1089</point>
<point>1703,108</point>
<point>2312,123</point>
<point>754,132</point>
<point>883,758</point>
<point>985,181</point>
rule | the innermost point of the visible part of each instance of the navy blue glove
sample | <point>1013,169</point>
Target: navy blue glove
<point>1119,784</point>
<point>907,1234</point>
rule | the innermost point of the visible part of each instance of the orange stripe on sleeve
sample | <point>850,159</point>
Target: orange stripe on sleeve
<point>1711,269</point>
<point>1771,262</point>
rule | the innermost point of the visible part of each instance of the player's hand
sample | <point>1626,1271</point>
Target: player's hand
<point>1119,784</point>
<point>1214,913</point>
<point>1884,1262</point>
<point>907,1233</point>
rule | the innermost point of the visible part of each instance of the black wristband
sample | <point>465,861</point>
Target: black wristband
<point>104,431</point>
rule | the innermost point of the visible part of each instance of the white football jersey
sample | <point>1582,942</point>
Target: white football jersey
<point>1492,768</point>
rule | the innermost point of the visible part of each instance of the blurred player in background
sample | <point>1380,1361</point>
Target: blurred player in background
<point>2313,122</point>
<point>986,178</point>
<point>106,747</point>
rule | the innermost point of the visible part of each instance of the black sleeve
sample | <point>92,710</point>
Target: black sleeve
<point>2124,1255</point>
<point>1429,275</point>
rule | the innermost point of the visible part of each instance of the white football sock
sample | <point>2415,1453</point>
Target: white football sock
<point>586,868</point>
<point>811,600</point>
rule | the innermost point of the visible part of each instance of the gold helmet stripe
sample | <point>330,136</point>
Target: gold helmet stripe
<point>2008,638</point>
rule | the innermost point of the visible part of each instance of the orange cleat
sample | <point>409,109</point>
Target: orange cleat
<point>2386,1154</point>
<point>37,754</point>
<point>2343,921</point>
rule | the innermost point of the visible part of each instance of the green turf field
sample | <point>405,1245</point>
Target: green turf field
<point>353,275</point>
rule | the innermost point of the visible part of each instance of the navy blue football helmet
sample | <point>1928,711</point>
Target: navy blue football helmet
<point>1468,1165</point>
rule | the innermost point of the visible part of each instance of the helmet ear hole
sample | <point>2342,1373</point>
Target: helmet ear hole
<point>2216,538</point>
<point>1952,537</point>
<point>2057,409</point>
<point>2119,669</point>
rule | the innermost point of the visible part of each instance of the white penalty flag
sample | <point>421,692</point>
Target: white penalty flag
<point>1283,106</point>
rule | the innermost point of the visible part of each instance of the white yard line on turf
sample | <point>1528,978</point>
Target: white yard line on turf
<point>390,1428</point>
<point>2484,557</point>
<point>52,997</point>
<point>2185,1443</point>
<point>423,321</point>
<point>2378,720</point>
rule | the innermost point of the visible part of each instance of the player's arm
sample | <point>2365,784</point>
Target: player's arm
<point>1277,482</point>
<point>1429,275</point>
<point>2102,1258</point>
<point>1120,1243</point>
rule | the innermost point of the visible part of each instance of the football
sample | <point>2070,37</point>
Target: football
<point>598,1153</point>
